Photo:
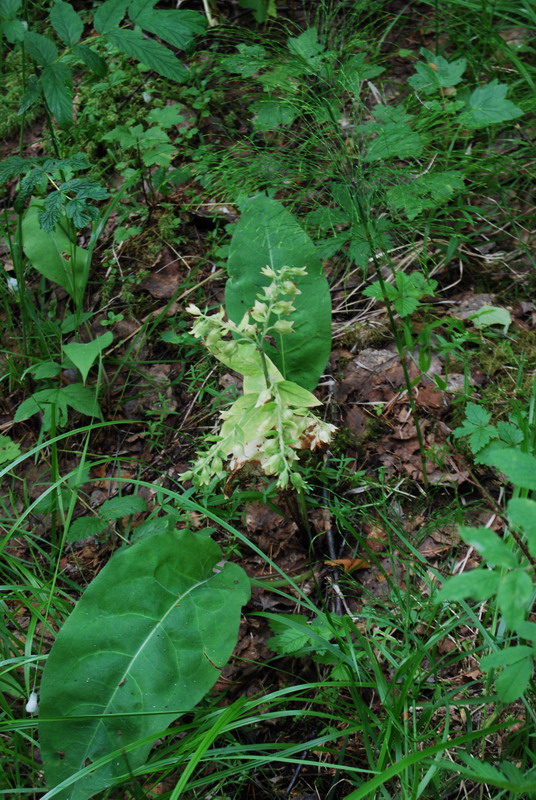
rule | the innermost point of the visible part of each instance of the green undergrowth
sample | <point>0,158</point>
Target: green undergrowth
<point>282,176</point>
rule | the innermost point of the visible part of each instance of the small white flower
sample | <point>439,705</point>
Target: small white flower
<point>32,706</point>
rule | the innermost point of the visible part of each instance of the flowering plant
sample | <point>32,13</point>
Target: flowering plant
<point>271,421</point>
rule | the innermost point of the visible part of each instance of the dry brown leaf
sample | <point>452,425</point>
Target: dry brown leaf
<point>348,564</point>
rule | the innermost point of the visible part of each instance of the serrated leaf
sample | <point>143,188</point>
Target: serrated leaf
<point>519,468</point>
<point>40,48</point>
<point>522,516</point>
<point>56,81</point>
<point>394,140</point>
<point>436,73</point>
<point>514,597</point>
<point>480,584</point>
<point>364,243</point>
<point>91,59</point>
<point>406,305</point>
<point>476,427</point>
<point>12,167</point>
<point>177,27</point>
<point>268,234</point>
<point>83,527</point>
<point>153,54</point>
<point>271,114</point>
<point>32,94</point>
<point>166,117</point>
<point>354,71</point>
<point>375,291</point>
<point>119,507</point>
<point>426,191</point>
<point>66,22</point>
<point>488,105</point>
<point>9,8</point>
<point>80,212</point>
<point>145,643</point>
<point>510,433</point>
<point>51,214</point>
<point>249,60</point>
<point>13,30</point>
<point>476,414</point>
<point>85,188</point>
<point>109,14</point>
<point>490,546</point>
<point>85,355</point>
<point>288,642</point>
<point>307,46</point>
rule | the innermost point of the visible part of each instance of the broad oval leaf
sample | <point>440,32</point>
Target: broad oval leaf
<point>145,643</point>
<point>53,254</point>
<point>268,235</point>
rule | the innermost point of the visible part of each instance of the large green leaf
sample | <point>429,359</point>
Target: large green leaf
<point>490,546</point>
<point>53,254</point>
<point>519,467</point>
<point>522,516</point>
<point>174,26</point>
<point>56,81</point>
<point>40,48</point>
<point>66,22</point>
<point>91,59</point>
<point>153,54</point>
<point>488,105</point>
<point>268,234</point>
<point>145,643</point>
<point>514,597</point>
<point>8,8</point>
<point>109,14</point>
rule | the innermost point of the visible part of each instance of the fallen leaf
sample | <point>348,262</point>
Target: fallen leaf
<point>348,564</point>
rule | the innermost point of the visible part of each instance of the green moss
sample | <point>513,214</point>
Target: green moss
<point>509,365</point>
